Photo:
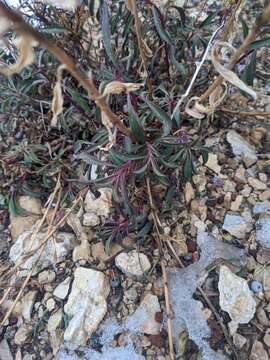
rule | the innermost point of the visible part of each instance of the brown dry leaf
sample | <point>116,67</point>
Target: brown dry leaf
<point>58,101</point>
<point>26,56</point>
<point>111,131</point>
<point>227,74</point>
<point>147,51</point>
<point>117,87</point>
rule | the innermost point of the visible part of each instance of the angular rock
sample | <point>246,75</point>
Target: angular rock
<point>82,251</point>
<point>258,352</point>
<point>144,318</point>
<point>27,304</point>
<point>62,289</point>
<point>86,304</point>
<point>46,276</point>
<point>236,225</point>
<point>241,147</point>
<point>263,230</point>
<point>91,219</point>
<point>101,205</point>
<point>235,298</point>
<point>257,184</point>
<point>212,163</point>
<point>55,250</point>
<point>55,320</point>
<point>50,304</point>
<point>261,207</point>
<point>5,353</point>
<point>21,224</point>
<point>133,264</point>
<point>22,334</point>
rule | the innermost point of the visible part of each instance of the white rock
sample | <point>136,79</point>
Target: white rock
<point>133,264</point>
<point>263,230</point>
<point>82,251</point>
<point>212,163</point>
<point>22,334</point>
<point>62,289</point>
<point>91,219</point>
<point>55,320</point>
<point>235,298</point>
<point>236,225</point>
<point>257,184</point>
<point>5,353</point>
<point>46,276</point>
<point>50,304</point>
<point>261,207</point>
<point>101,205</point>
<point>27,304</point>
<point>143,320</point>
<point>55,250</point>
<point>241,147</point>
<point>86,304</point>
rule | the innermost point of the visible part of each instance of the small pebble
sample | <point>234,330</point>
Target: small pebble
<point>256,286</point>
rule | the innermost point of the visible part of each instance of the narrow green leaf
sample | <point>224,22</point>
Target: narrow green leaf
<point>134,121</point>
<point>244,28</point>
<point>257,44</point>
<point>164,35</point>
<point>208,20</point>
<point>84,104</point>
<point>161,115</point>
<point>250,70</point>
<point>106,33</point>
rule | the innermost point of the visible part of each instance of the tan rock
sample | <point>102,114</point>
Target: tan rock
<point>82,251</point>
<point>46,276</point>
<point>55,320</point>
<point>20,224</point>
<point>212,163</point>
<point>239,341</point>
<point>258,352</point>
<point>235,205</point>
<point>133,264</point>
<point>189,192</point>
<point>240,175</point>
<point>22,334</point>
<point>31,204</point>
<point>266,338</point>
<point>265,195</point>
<point>101,205</point>
<point>98,251</point>
<point>257,184</point>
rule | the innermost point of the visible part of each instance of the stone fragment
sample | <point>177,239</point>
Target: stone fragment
<point>133,264</point>
<point>86,304</point>
<point>212,163</point>
<point>55,320</point>
<point>266,338</point>
<point>22,334</point>
<point>261,207</point>
<point>5,353</point>
<point>91,219</point>
<point>46,276</point>
<point>258,352</point>
<point>62,289</point>
<point>235,205</point>
<point>55,250</point>
<point>236,225</point>
<point>82,251</point>
<point>257,184</point>
<point>265,195</point>
<point>50,304</point>
<point>241,147</point>
<point>263,230</point>
<point>189,192</point>
<point>27,304</point>
<point>21,224</point>
<point>240,176</point>
<point>239,341</point>
<point>144,318</point>
<point>100,206</point>
<point>235,298</point>
<point>31,204</point>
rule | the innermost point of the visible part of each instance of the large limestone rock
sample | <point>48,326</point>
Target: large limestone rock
<point>86,304</point>
<point>57,247</point>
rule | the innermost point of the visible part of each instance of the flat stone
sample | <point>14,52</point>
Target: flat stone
<point>86,304</point>
<point>21,224</point>
<point>50,304</point>
<point>261,207</point>
<point>257,184</point>
<point>31,204</point>
<point>133,264</point>
<point>241,147</point>
<point>263,231</point>
<point>62,289</point>
<point>47,276</point>
<point>55,250</point>
<point>235,225</point>
<point>265,195</point>
<point>55,320</point>
<point>5,353</point>
<point>212,163</point>
<point>22,334</point>
<point>235,298</point>
<point>91,219</point>
<point>82,251</point>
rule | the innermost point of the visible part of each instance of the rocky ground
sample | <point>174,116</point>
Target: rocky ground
<point>82,303</point>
